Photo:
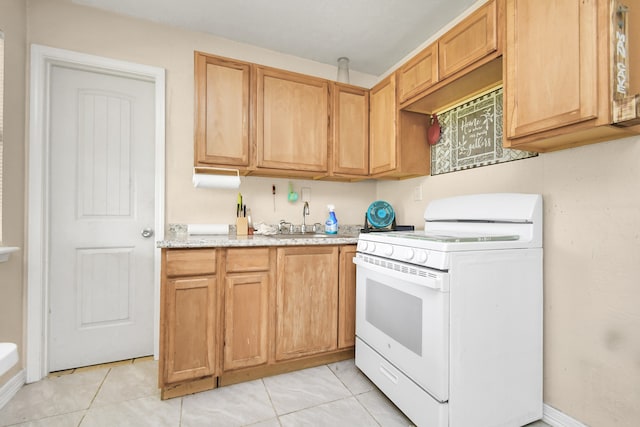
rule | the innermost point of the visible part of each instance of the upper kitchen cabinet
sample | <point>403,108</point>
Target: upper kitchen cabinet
<point>292,123</point>
<point>418,73</point>
<point>350,131</point>
<point>469,41</point>
<point>222,106</point>
<point>398,145</point>
<point>558,77</point>
<point>465,61</point>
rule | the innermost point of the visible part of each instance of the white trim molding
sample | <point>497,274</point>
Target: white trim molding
<point>11,387</point>
<point>42,59</point>
<point>556,418</point>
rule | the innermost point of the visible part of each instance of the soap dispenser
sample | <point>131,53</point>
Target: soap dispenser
<point>331,224</point>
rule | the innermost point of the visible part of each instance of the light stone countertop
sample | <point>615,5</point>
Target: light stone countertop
<point>347,235</point>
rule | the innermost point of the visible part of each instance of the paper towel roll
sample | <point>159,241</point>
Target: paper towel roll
<point>203,229</point>
<point>202,180</point>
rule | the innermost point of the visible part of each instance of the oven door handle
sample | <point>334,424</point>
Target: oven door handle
<point>420,276</point>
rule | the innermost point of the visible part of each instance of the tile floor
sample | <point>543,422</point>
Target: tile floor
<point>126,395</point>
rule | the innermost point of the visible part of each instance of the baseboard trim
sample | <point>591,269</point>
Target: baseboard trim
<point>11,387</point>
<point>556,418</point>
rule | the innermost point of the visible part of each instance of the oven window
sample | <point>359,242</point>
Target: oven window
<point>395,313</point>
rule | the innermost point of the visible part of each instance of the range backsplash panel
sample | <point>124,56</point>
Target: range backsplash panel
<point>472,136</point>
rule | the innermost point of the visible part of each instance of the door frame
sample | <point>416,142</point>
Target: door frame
<point>38,221</point>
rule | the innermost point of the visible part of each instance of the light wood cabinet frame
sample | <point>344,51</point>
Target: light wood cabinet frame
<point>347,298</point>
<point>398,146</point>
<point>469,62</point>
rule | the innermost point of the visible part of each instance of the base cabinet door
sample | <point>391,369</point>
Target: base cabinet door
<point>347,298</point>
<point>246,320</point>
<point>190,328</point>
<point>307,301</point>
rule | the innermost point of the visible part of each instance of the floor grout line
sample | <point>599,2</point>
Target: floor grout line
<point>275,411</point>
<point>99,388</point>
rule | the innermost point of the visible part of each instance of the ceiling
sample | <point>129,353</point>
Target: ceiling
<point>373,34</point>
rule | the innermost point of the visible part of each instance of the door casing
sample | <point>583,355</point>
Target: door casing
<point>42,59</point>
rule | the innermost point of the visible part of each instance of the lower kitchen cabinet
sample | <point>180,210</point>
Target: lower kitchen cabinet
<point>347,298</point>
<point>237,314</point>
<point>307,301</point>
<point>189,321</point>
<point>246,317</point>
<point>191,328</point>
<point>246,307</point>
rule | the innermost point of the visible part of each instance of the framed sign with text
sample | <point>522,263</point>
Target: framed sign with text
<point>472,136</point>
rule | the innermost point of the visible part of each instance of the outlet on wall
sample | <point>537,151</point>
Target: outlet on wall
<point>306,194</point>
<point>417,193</point>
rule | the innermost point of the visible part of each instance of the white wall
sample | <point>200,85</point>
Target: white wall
<point>60,23</point>
<point>13,25</point>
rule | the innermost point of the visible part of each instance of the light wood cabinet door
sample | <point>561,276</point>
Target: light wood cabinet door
<point>292,117</point>
<point>350,126</point>
<point>419,73</point>
<point>551,72</point>
<point>347,298</point>
<point>382,125</point>
<point>398,145</point>
<point>246,325</point>
<point>221,111</point>
<point>307,301</point>
<point>473,38</point>
<point>189,328</point>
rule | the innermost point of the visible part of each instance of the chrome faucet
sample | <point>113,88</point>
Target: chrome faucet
<point>305,212</point>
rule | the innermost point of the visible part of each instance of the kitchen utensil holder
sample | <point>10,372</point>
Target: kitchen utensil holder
<point>242,227</point>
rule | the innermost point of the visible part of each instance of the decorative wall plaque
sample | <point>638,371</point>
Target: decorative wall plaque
<point>472,136</point>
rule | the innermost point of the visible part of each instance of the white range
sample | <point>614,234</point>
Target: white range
<point>449,319</point>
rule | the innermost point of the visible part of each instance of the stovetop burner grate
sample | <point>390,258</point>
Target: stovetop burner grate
<point>368,228</point>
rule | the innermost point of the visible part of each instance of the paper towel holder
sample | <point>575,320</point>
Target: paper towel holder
<point>229,178</point>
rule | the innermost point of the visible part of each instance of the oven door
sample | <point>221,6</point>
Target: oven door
<point>402,312</point>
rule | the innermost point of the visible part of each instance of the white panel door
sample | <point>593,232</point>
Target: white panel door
<point>101,198</point>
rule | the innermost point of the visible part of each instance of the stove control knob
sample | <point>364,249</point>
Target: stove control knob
<point>371,247</point>
<point>362,246</point>
<point>387,250</point>
<point>408,254</point>
<point>421,257</point>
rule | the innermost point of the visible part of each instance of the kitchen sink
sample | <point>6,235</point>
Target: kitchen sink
<point>304,236</point>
